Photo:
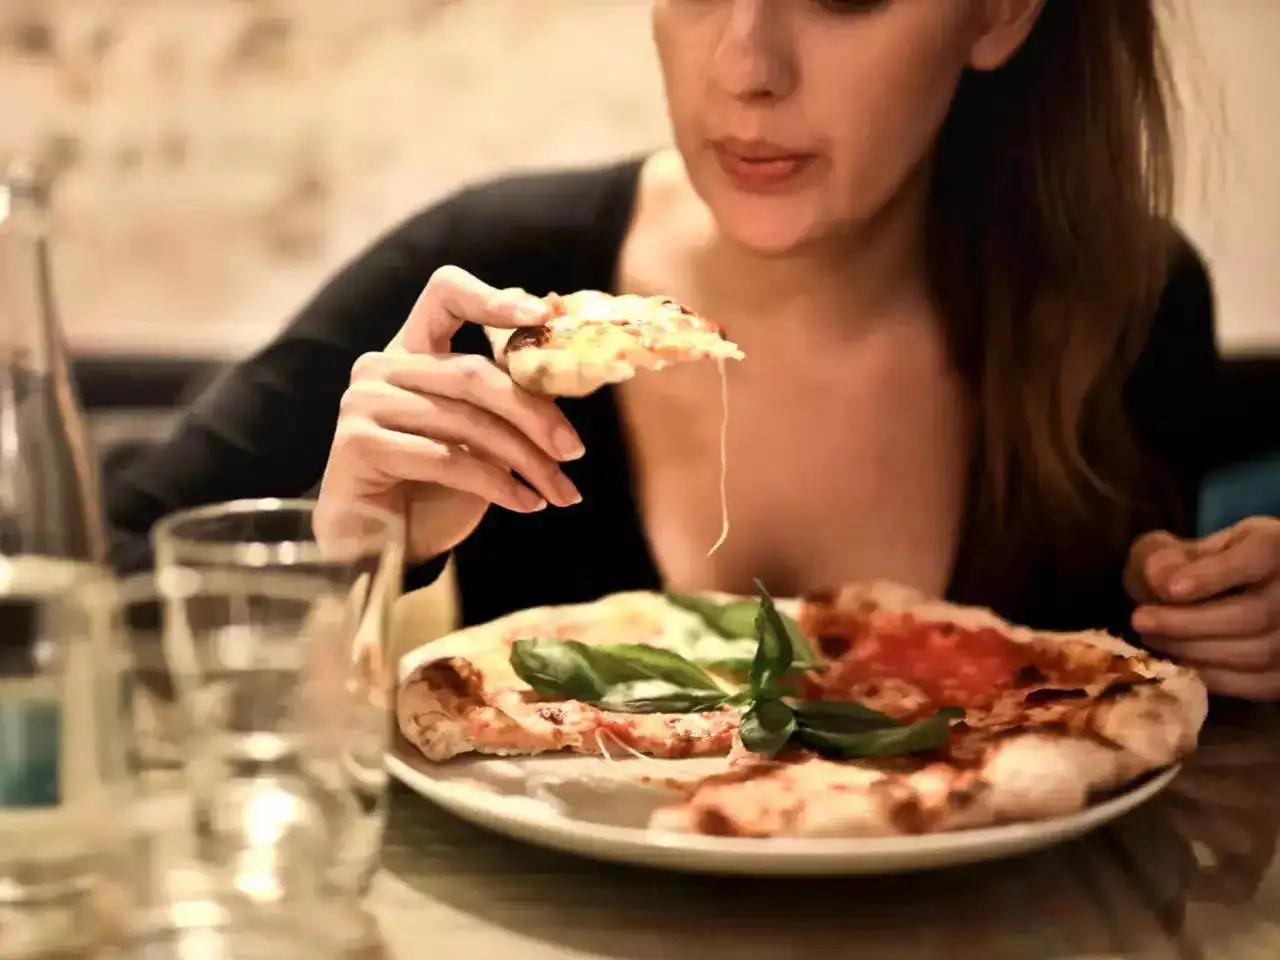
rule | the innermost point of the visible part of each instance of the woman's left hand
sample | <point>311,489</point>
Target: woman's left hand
<point>1213,604</point>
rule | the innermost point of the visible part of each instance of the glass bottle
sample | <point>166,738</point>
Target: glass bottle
<point>51,539</point>
<point>49,509</point>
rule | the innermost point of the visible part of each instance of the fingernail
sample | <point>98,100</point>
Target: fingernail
<point>531,501</point>
<point>568,492</point>
<point>1143,621</point>
<point>567,444</point>
<point>1182,587</point>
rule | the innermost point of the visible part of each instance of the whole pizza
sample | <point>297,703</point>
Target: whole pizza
<point>870,710</point>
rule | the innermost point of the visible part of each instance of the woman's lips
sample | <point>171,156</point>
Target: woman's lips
<point>761,168</point>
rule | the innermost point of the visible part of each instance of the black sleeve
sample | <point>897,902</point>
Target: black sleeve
<point>1172,394</point>
<point>265,429</point>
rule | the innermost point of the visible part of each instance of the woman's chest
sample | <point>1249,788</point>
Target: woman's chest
<point>843,471</point>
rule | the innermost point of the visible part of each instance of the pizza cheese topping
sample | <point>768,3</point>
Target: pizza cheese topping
<point>600,327</point>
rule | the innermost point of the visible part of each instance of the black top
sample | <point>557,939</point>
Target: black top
<point>266,428</point>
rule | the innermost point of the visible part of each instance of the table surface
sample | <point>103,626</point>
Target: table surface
<point>1191,875</point>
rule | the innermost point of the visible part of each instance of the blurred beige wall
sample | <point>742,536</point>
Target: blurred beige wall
<point>223,155</point>
<point>1227,62</point>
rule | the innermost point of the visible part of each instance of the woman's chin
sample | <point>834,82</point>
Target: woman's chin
<point>771,226</point>
<point>769,235</point>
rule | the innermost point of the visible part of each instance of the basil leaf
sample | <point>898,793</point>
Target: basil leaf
<point>733,620</point>
<point>767,726</point>
<point>743,698</point>
<point>922,736</point>
<point>774,654</point>
<point>698,643</point>
<point>802,649</point>
<point>623,662</point>
<point>736,620</point>
<point>557,668</point>
<point>743,665</point>
<point>730,664</point>
<point>838,716</point>
<point>659,696</point>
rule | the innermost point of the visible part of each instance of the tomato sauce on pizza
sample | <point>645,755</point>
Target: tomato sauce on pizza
<point>908,666</point>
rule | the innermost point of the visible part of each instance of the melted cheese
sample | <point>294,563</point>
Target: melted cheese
<point>724,457</point>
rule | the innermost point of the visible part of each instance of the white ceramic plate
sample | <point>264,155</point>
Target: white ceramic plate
<point>593,808</point>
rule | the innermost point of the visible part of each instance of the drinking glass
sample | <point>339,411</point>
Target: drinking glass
<point>356,573</point>
<point>249,744</point>
<point>242,732</point>
<point>64,785</point>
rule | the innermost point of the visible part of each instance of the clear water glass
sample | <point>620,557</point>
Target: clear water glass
<point>253,657</point>
<point>252,746</point>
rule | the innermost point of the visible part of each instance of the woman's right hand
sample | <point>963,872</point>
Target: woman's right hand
<point>436,436</point>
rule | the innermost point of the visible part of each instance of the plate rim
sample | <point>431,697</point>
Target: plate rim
<point>564,833</point>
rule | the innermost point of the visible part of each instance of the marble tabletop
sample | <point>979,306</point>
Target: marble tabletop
<point>1191,875</point>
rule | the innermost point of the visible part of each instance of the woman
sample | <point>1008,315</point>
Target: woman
<point>976,351</point>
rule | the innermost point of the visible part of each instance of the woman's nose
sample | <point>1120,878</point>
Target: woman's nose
<point>754,57</point>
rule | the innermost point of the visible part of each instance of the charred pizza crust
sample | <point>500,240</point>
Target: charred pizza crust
<point>596,338</point>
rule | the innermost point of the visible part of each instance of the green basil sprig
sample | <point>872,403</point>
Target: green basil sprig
<point>923,736</point>
<point>833,729</point>
<point>736,621</point>
<point>635,678</point>
<point>627,677</point>
<point>558,668</point>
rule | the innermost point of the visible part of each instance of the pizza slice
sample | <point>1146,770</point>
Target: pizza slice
<point>455,706</point>
<point>594,339</point>
<point>1050,720</point>
<point>896,650</point>
<point>462,694</point>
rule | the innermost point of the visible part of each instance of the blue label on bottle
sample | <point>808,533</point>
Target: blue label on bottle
<point>30,751</point>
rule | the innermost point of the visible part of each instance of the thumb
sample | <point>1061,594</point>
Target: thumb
<point>453,297</point>
<point>1153,560</point>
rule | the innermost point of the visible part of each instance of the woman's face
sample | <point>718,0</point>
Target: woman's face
<point>799,119</point>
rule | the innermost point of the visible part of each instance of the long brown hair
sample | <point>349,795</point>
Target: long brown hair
<point>1050,245</point>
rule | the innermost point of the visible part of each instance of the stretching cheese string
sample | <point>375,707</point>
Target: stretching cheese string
<point>724,457</point>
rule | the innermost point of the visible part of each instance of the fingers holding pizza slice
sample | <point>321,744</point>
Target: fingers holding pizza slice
<point>594,339</point>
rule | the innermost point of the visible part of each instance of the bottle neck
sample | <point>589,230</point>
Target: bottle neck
<point>30,335</point>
